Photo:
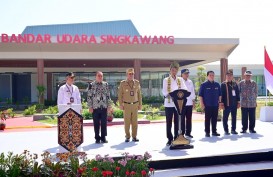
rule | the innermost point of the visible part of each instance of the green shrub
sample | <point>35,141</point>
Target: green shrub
<point>30,110</point>
<point>86,114</point>
<point>85,105</point>
<point>152,99</point>
<point>146,107</point>
<point>118,113</point>
<point>198,108</point>
<point>51,110</point>
<point>270,104</point>
<point>10,112</point>
<point>162,108</point>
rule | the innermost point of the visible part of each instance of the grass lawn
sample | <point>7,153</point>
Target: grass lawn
<point>49,121</point>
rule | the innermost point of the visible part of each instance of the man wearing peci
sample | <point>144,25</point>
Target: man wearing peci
<point>171,83</point>
<point>230,102</point>
<point>248,94</point>
<point>186,129</point>
<point>99,103</point>
<point>130,101</point>
<point>210,97</point>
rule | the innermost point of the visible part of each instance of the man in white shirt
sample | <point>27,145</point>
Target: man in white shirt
<point>170,84</point>
<point>190,104</point>
<point>69,93</point>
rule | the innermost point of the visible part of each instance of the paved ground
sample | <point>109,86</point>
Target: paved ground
<point>152,139</point>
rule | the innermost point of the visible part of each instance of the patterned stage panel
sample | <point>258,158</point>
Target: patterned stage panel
<point>70,130</point>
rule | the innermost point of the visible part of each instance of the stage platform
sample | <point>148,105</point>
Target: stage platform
<point>208,151</point>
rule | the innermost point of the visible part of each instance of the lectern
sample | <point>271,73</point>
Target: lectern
<point>70,126</point>
<point>179,98</point>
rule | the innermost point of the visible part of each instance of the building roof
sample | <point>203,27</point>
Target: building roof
<point>120,27</point>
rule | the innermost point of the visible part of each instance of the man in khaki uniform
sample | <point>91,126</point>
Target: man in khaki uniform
<point>130,101</point>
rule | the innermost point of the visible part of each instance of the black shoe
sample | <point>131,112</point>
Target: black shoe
<point>104,141</point>
<point>227,133</point>
<point>97,142</point>
<point>135,140</point>
<point>252,131</point>
<point>127,140</point>
<point>169,143</point>
<point>215,134</point>
<point>243,131</point>
<point>207,135</point>
<point>189,135</point>
<point>234,132</point>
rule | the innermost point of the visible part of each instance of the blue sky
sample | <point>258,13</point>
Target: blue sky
<point>249,20</point>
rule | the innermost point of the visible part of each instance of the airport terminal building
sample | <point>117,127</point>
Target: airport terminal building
<point>41,55</point>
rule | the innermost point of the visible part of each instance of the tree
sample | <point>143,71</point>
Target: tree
<point>41,91</point>
<point>201,77</point>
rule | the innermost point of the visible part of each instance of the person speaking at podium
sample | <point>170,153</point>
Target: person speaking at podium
<point>171,83</point>
<point>69,93</point>
<point>99,103</point>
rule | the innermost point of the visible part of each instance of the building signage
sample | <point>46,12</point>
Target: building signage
<point>86,39</point>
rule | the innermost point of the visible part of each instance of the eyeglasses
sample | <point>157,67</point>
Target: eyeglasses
<point>131,73</point>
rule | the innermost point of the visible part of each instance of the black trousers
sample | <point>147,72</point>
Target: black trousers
<point>248,114</point>
<point>100,123</point>
<point>171,114</point>
<point>211,114</point>
<point>186,122</point>
<point>226,112</point>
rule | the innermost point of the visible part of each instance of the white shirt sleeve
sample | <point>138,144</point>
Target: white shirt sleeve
<point>192,91</point>
<point>183,85</point>
<point>164,88</point>
<point>78,95</point>
<point>60,96</point>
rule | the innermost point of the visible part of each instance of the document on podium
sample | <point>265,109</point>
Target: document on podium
<point>63,107</point>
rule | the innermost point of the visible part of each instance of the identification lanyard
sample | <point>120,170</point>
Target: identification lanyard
<point>71,92</point>
<point>131,87</point>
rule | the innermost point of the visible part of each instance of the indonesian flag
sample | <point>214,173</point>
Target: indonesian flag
<point>268,72</point>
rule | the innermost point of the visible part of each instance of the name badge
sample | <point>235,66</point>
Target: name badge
<point>131,93</point>
<point>233,93</point>
<point>71,99</point>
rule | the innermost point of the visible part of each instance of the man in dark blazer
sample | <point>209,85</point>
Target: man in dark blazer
<point>230,102</point>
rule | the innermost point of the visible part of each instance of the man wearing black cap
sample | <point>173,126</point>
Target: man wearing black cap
<point>190,104</point>
<point>69,93</point>
<point>248,94</point>
<point>230,102</point>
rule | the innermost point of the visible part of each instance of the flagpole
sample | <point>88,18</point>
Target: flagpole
<point>265,96</point>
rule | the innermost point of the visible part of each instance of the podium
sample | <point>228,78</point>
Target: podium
<point>179,98</point>
<point>70,126</point>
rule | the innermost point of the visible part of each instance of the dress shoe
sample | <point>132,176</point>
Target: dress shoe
<point>104,141</point>
<point>189,135</point>
<point>135,140</point>
<point>243,131</point>
<point>227,133</point>
<point>215,134</point>
<point>207,135</point>
<point>234,132</point>
<point>252,131</point>
<point>97,142</point>
<point>127,140</point>
<point>169,143</point>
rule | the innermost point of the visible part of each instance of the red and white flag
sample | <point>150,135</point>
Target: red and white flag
<point>268,72</point>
